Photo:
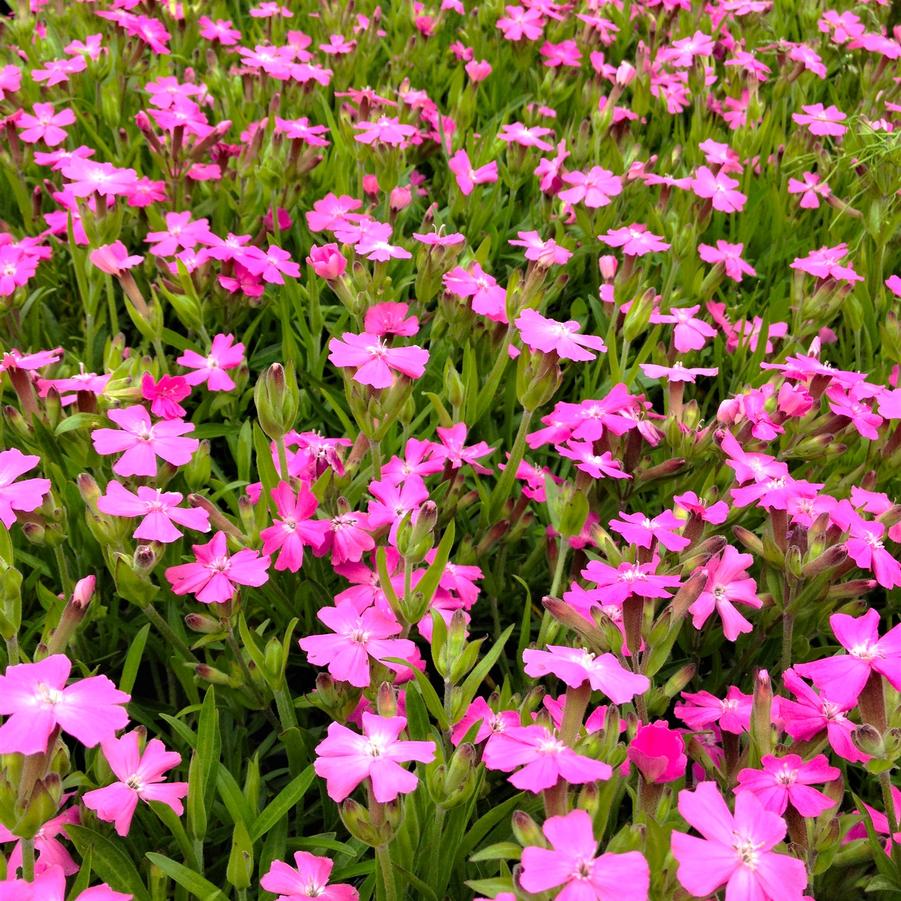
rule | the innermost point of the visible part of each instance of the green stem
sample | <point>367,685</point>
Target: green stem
<point>282,458</point>
<point>113,311</point>
<point>888,802</point>
<point>63,567</point>
<point>28,859</point>
<point>12,650</point>
<point>248,676</point>
<point>168,633</point>
<point>559,567</point>
<point>383,855</point>
<point>375,452</point>
<point>788,626</point>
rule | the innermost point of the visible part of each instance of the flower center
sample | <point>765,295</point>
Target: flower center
<point>865,650</point>
<point>219,565</point>
<point>550,746</point>
<point>747,850</point>
<point>47,696</point>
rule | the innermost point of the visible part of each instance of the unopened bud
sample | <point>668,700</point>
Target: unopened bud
<point>277,400</point>
<point>526,830</point>
<point>201,622</point>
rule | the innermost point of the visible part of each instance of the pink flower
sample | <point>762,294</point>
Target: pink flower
<point>675,373</point>
<point>348,537</point>
<point>575,666</point>
<point>359,635</point>
<point>220,30</point>
<point>519,23</point>
<point>727,584</point>
<point>454,450</point>
<point>113,258</point>
<point>159,510</point>
<point>490,722</point>
<point>270,264</point>
<point>50,885</point>
<point>517,133</point>
<point>214,577</point>
<point>635,240</point>
<point>729,255</point>
<point>45,125</point>
<point>308,878</point>
<point>566,53</point>
<point>224,354</point>
<point>822,121</point>
<point>702,709</point>
<point>143,442</point>
<point>810,189</point>
<point>716,514</point>
<point>25,495</point>
<point>824,263</point>
<point>811,713</point>
<point>140,779</point>
<point>736,849</point>
<point>658,752</point>
<point>488,298</point>
<point>467,177</point>
<point>327,261</point>
<point>165,395</point>
<point>866,548</point>
<point>390,318</point>
<point>595,188</point>
<point>787,780</point>
<point>16,269</point>
<point>384,130</point>
<point>295,529</point>
<point>344,758</point>
<point>543,757</point>
<point>845,675</point>
<point>50,851</point>
<point>35,699</point>
<point>571,862</point>
<point>641,531</point>
<point>627,579</point>
<point>182,232</point>
<point>719,189</point>
<point>374,360</point>
<point>598,466</point>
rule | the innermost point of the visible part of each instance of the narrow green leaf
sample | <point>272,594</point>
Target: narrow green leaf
<point>483,667</point>
<point>195,883</point>
<point>282,804</point>
<point>109,860</point>
<point>133,659</point>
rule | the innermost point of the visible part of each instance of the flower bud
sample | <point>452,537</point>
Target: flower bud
<point>212,675</point>
<point>526,830</point>
<point>607,265</point>
<point>327,261</point>
<point>639,316</point>
<point>201,622</point>
<point>277,400</point>
<point>197,471</point>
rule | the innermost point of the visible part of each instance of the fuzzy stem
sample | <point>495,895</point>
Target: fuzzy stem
<point>27,845</point>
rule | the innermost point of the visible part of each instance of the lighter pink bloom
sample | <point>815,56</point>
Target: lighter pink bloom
<point>689,333</point>
<point>159,510</point>
<point>545,253</point>
<point>308,878</point>
<point>822,121</point>
<point>675,373</point>
<point>384,130</point>
<point>640,530</point>
<point>810,189</point>
<point>26,494</point>
<point>345,758</point>
<point>215,576</point>
<point>35,700</point>
<point>50,885</point>
<point>142,442</point>
<point>562,338</point>
<point>729,256</point>
<point>468,177</point>
<point>595,188</point>
<point>635,240</point>
<point>786,780</point>
<point>719,189</point>
<point>224,354</point>
<point>571,862</point>
<point>575,666</point>
<point>736,849</point>
<point>390,318</point>
<point>140,779</point>
<point>727,584</point>
<point>45,125</point>
<point>113,258</point>
<point>374,360</point>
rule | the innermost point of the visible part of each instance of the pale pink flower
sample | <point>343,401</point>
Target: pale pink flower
<point>562,338</point>
<point>158,509</point>
<point>49,850</point>
<point>140,779</point>
<point>390,318</point>
<point>35,700</point>
<point>595,188</point>
<point>25,495</point>
<point>143,441</point>
<point>271,264</point>
<point>627,579</point>
<point>517,133</point>
<point>822,121</point>
<point>736,849</point>
<point>729,256</point>
<point>308,878</point>
<point>701,710</point>
<point>519,23</point>
<point>113,258</point>
<point>811,188</point>
<point>675,373</point>
<point>384,130</point>
<point>727,584</point>
<point>575,666</point>
<point>544,253</point>
<point>468,177</point>
<point>45,125</point>
<point>689,333</point>
<point>210,369</point>
<point>50,885</point>
<point>642,531</point>
<point>543,757</point>
<point>598,466</point>
<point>571,862</point>
<point>345,758</point>
<point>488,298</point>
<point>635,240</point>
<point>786,780</point>
<point>374,360</point>
<point>719,189</point>
<point>215,575</point>
<point>825,263</point>
<point>182,232</point>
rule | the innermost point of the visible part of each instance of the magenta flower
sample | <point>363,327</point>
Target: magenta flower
<point>345,758</point>
<point>543,757</point>
<point>701,710</point>
<point>182,233</point>
<point>390,318</point>
<point>384,130</point>
<point>517,133</point>
<point>825,263</point>
<point>374,360</point>
<point>25,495</point>
<point>716,513</point>
<point>140,779</point>
<point>562,338</point>
<point>736,849</point>
<point>271,264</point>
<point>822,121</point>
<point>348,537</point>
<point>729,256</point>
<point>16,269</point>
<point>866,548</point>
<point>689,333</point>
<point>327,261</point>
<point>159,510</point>
<point>35,699</point>
<point>165,395</point>
<point>142,442</point>
<point>210,370</point>
<point>214,577</point>
<point>635,240</point>
<point>49,850</point>
<point>598,466</point>
<point>845,675</point>
<point>45,125</point>
<point>467,177</point>
<point>308,878</point>
<point>490,722</point>
<point>812,713</point>
<point>545,253</point>
<point>519,23</point>
<point>571,862</point>
<point>627,579</point>
<point>575,666</point>
<point>454,450</point>
<point>641,531</point>
<point>727,584</point>
<point>658,752</point>
<point>295,529</point>
<point>113,258</point>
<point>359,636</point>
<point>719,189</point>
<point>675,373</point>
<point>220,30</point>
<point>595,188</point>
<point>488,297</point>
<point>787,780</point>
<point>811,188</point>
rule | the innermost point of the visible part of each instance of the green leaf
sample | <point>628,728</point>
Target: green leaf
<point>423,888</point>
<point>476,677</point>
<point>282,804</point>
<point>79,421</point>
<point>195,883</point>
<point>486,823</point>
<point>426,691</point>
<point>428,584</point>
<point>133,659</point>
<point>109,861</point>
<point>500,851</point>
